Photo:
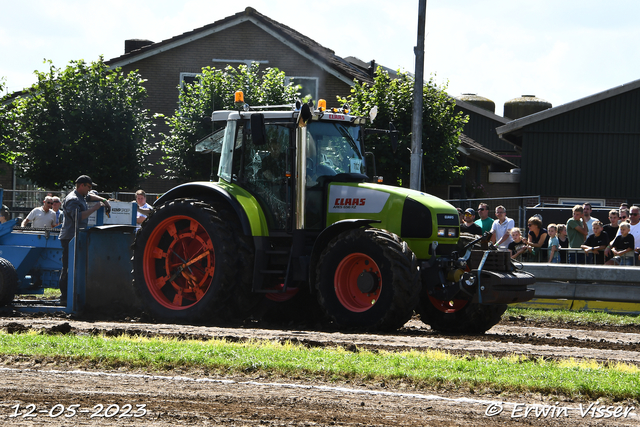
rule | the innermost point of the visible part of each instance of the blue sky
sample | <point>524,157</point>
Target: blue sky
<point>558,51</point>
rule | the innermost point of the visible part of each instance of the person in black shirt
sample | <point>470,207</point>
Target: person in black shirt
<point>468,225</point>
<point>612,228</point>
<point>595,244</point>
<point>564,242</point>
<point>622,247</point>
<point>518,246</point>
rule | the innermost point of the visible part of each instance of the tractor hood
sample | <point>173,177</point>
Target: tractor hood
<point>416,217</point>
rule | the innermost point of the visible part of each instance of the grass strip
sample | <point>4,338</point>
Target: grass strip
<point>566,316</point>
<point>576,379</point>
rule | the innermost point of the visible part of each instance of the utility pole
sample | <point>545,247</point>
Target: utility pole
<point>416,122</point>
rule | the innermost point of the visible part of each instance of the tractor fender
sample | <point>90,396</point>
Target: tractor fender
<point>207,190</point>
<point>325,237</point>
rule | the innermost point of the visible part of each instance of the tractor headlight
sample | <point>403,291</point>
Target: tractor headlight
<point>447,232</point>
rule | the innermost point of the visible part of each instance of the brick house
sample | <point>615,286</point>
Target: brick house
<point>241,38</point>
<point>249,36</point>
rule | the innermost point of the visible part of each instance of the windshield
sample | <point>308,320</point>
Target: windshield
<point>335,148</point>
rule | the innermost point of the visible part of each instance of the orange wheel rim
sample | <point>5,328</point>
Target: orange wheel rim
<point>179,262</point>
<point>358,282</point>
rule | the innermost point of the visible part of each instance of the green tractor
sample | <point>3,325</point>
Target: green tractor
<point>295,223</point>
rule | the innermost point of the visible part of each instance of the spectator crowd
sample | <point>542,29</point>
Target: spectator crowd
<point>583,239</point>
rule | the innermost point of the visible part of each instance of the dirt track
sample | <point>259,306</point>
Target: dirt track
<point>192,397</point>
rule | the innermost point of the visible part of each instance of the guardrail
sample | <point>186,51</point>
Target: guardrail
<point>614,288</point>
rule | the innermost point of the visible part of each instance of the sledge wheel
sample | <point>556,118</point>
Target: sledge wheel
<point>8,282</point>
<point>183,260</point>
<point>367,278</point>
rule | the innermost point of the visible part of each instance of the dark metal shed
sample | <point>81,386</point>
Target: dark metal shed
<point>584,149</point>
<point>482,129</point>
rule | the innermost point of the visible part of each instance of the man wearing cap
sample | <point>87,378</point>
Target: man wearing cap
<point>74,208</point>
<point>468,226</point>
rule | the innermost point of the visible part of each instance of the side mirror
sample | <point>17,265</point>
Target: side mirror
<point>258,133</point>
<point>305,115</point>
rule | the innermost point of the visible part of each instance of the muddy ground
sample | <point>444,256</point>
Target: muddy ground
<point>58,392</point>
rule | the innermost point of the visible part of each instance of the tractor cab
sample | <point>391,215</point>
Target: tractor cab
<point>286,159</point>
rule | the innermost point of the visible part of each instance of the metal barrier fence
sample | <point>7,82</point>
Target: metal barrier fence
<point>589,283</point>
<point>516,207</point>
<point>21,202</point>
<point>574,256</point>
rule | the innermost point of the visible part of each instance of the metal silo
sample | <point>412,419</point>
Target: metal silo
<point>478,101</point>
<point>524,106</point>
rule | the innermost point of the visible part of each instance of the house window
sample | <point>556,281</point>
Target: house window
<point>309,86</point>
<point>189,78</point>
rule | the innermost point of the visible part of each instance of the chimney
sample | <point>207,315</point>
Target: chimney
<point>135,44</point>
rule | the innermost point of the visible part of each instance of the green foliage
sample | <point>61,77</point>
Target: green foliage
<point>82,119</point>
<point>215,89</point>
<point>7,127</point>
<point>441,128</point>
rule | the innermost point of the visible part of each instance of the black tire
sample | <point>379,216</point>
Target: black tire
<point>8,282</point>
<point>242,300</point>
<point>472,318</point>
<point>185,262</point>
<point>459,316</point>
<point>367,279</point>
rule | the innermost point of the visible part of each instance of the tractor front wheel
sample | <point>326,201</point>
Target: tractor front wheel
<point>367,278</point>
<point>459,316</point>
<point>184,261</point>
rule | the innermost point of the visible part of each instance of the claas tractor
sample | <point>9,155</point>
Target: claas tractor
<point>294,223</point>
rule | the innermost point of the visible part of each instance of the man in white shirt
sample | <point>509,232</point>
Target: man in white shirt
<point>42,217</point>
<point>501,228</point>
<point>141,200</point>
<point>588,219</point>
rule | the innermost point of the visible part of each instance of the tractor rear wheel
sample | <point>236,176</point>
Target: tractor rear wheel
<point>368,279</point>
<point>185,261</point>
<point>8,282</point>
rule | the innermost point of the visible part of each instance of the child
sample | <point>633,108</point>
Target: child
<point>518,246</point>
<point>622,247</point>
<point>564,242</point>
<point>595,244</point>
<point>554,243</point>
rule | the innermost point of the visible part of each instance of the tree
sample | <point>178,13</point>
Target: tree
<point>441,128</point>
<point>7,128</point>
<point>82,119</point>
<point>214,88</point>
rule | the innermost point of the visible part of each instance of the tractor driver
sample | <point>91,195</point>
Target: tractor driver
<point>75,209</point>
<point>315,167</point>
